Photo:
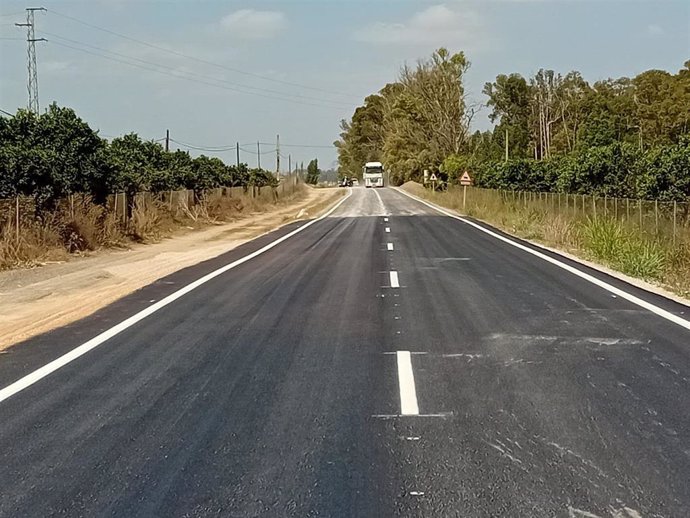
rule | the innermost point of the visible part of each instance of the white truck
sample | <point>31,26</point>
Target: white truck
<point>372,173</point>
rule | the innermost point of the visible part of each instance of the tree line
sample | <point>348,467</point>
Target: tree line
<point>54,154</point>
<point>552,132</point>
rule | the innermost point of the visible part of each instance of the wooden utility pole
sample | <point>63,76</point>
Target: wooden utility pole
<point>167,140</point>
<point>237,147</point>
<point>258,154</point>
<point>277,155</point>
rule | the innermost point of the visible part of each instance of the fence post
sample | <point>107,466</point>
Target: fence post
<point>594,206</point>
<point>627,210</point>
<point>16,218</point>
<point>656,217</point>
<point>675,204</point>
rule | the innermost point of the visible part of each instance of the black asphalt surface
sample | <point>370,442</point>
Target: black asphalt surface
<point>272,390</point>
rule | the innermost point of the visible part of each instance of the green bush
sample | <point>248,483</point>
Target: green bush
<point>51,155</point>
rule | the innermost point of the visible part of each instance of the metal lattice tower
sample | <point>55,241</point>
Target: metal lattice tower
<point>32,83</point>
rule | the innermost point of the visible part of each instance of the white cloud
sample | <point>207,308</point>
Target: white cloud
<point>255,25</point>
<point>655,30</point>
<point>436,25</point>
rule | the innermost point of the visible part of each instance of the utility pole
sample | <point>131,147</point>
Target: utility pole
<point>289,164</point>
<point>277,155</point>
<point>258,154</point>
<point>32,84</point>
<point>167,140</point>
<point>238,154</point>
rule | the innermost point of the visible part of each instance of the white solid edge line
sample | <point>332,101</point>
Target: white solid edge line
<point>408,392</point>
<point>390,246</point>
<point>395,283</point>
<point>589,278</point>
<point>75,353</point>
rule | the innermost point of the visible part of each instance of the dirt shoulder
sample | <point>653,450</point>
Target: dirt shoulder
<point>40,299</point>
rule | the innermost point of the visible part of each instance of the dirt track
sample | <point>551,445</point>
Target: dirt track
<point>37,300</point>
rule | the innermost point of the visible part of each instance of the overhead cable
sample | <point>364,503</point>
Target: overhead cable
<point>201,60</point>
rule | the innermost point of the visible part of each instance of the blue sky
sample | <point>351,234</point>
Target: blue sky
<point>342,50</point>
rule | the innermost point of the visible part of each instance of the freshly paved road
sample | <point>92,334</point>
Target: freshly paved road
<point>275,389</point>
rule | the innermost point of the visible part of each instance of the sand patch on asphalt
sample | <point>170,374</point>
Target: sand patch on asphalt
<point>40,299</point>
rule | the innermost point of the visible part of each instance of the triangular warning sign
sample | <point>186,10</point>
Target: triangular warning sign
<point>465,179</point>
<point>433,177</point>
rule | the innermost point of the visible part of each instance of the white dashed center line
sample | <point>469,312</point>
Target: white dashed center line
<point>388,229</point>
<point>390,246</point>
<point>408,393</point>
<point>395,282</point>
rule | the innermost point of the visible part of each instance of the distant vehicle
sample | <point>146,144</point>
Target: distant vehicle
<point>373,174</point>
<point>345,182</point>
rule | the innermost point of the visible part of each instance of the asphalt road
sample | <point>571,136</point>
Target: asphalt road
<point>385,361</point>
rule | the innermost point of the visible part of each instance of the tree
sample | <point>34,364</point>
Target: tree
<point>313,172</point>
<point>509,99</point>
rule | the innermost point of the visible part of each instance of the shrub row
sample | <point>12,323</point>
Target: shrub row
<point>51,155</point>
<point>620,170</point>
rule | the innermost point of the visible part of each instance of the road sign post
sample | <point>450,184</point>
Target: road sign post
<point>433,179</point>
<point>465,180</point>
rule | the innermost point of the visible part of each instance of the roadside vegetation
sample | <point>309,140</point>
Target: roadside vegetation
<point>64,189</point>
<point>554,135</point>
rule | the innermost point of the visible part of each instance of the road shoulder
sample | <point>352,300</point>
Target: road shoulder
<point>41,299</point>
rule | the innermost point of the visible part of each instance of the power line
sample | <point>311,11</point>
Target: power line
<point>189,77</point>
<point>200,60</point>
<point>203,148</point>
<point>238,85</point>
<point>301,145</point>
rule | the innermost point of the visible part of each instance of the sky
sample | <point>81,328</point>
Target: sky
<point>215,73</point>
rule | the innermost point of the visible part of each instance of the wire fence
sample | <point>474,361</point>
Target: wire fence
<point>661,220</point>
<point>14,212</point>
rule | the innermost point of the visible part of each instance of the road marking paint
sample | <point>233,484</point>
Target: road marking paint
<point>75,353</point>
<point>571,269</point>
<point>417,493</point>
<point>442,415</point>
<point>385,219</point>
<point>395,282</point>
<point>390,246</point>
<point>408,393</point>
<point>383,207</point>
<point>388,229</point>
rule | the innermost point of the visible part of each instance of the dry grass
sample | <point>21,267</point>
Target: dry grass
<point>637,251</point>
<point>84,226</point>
